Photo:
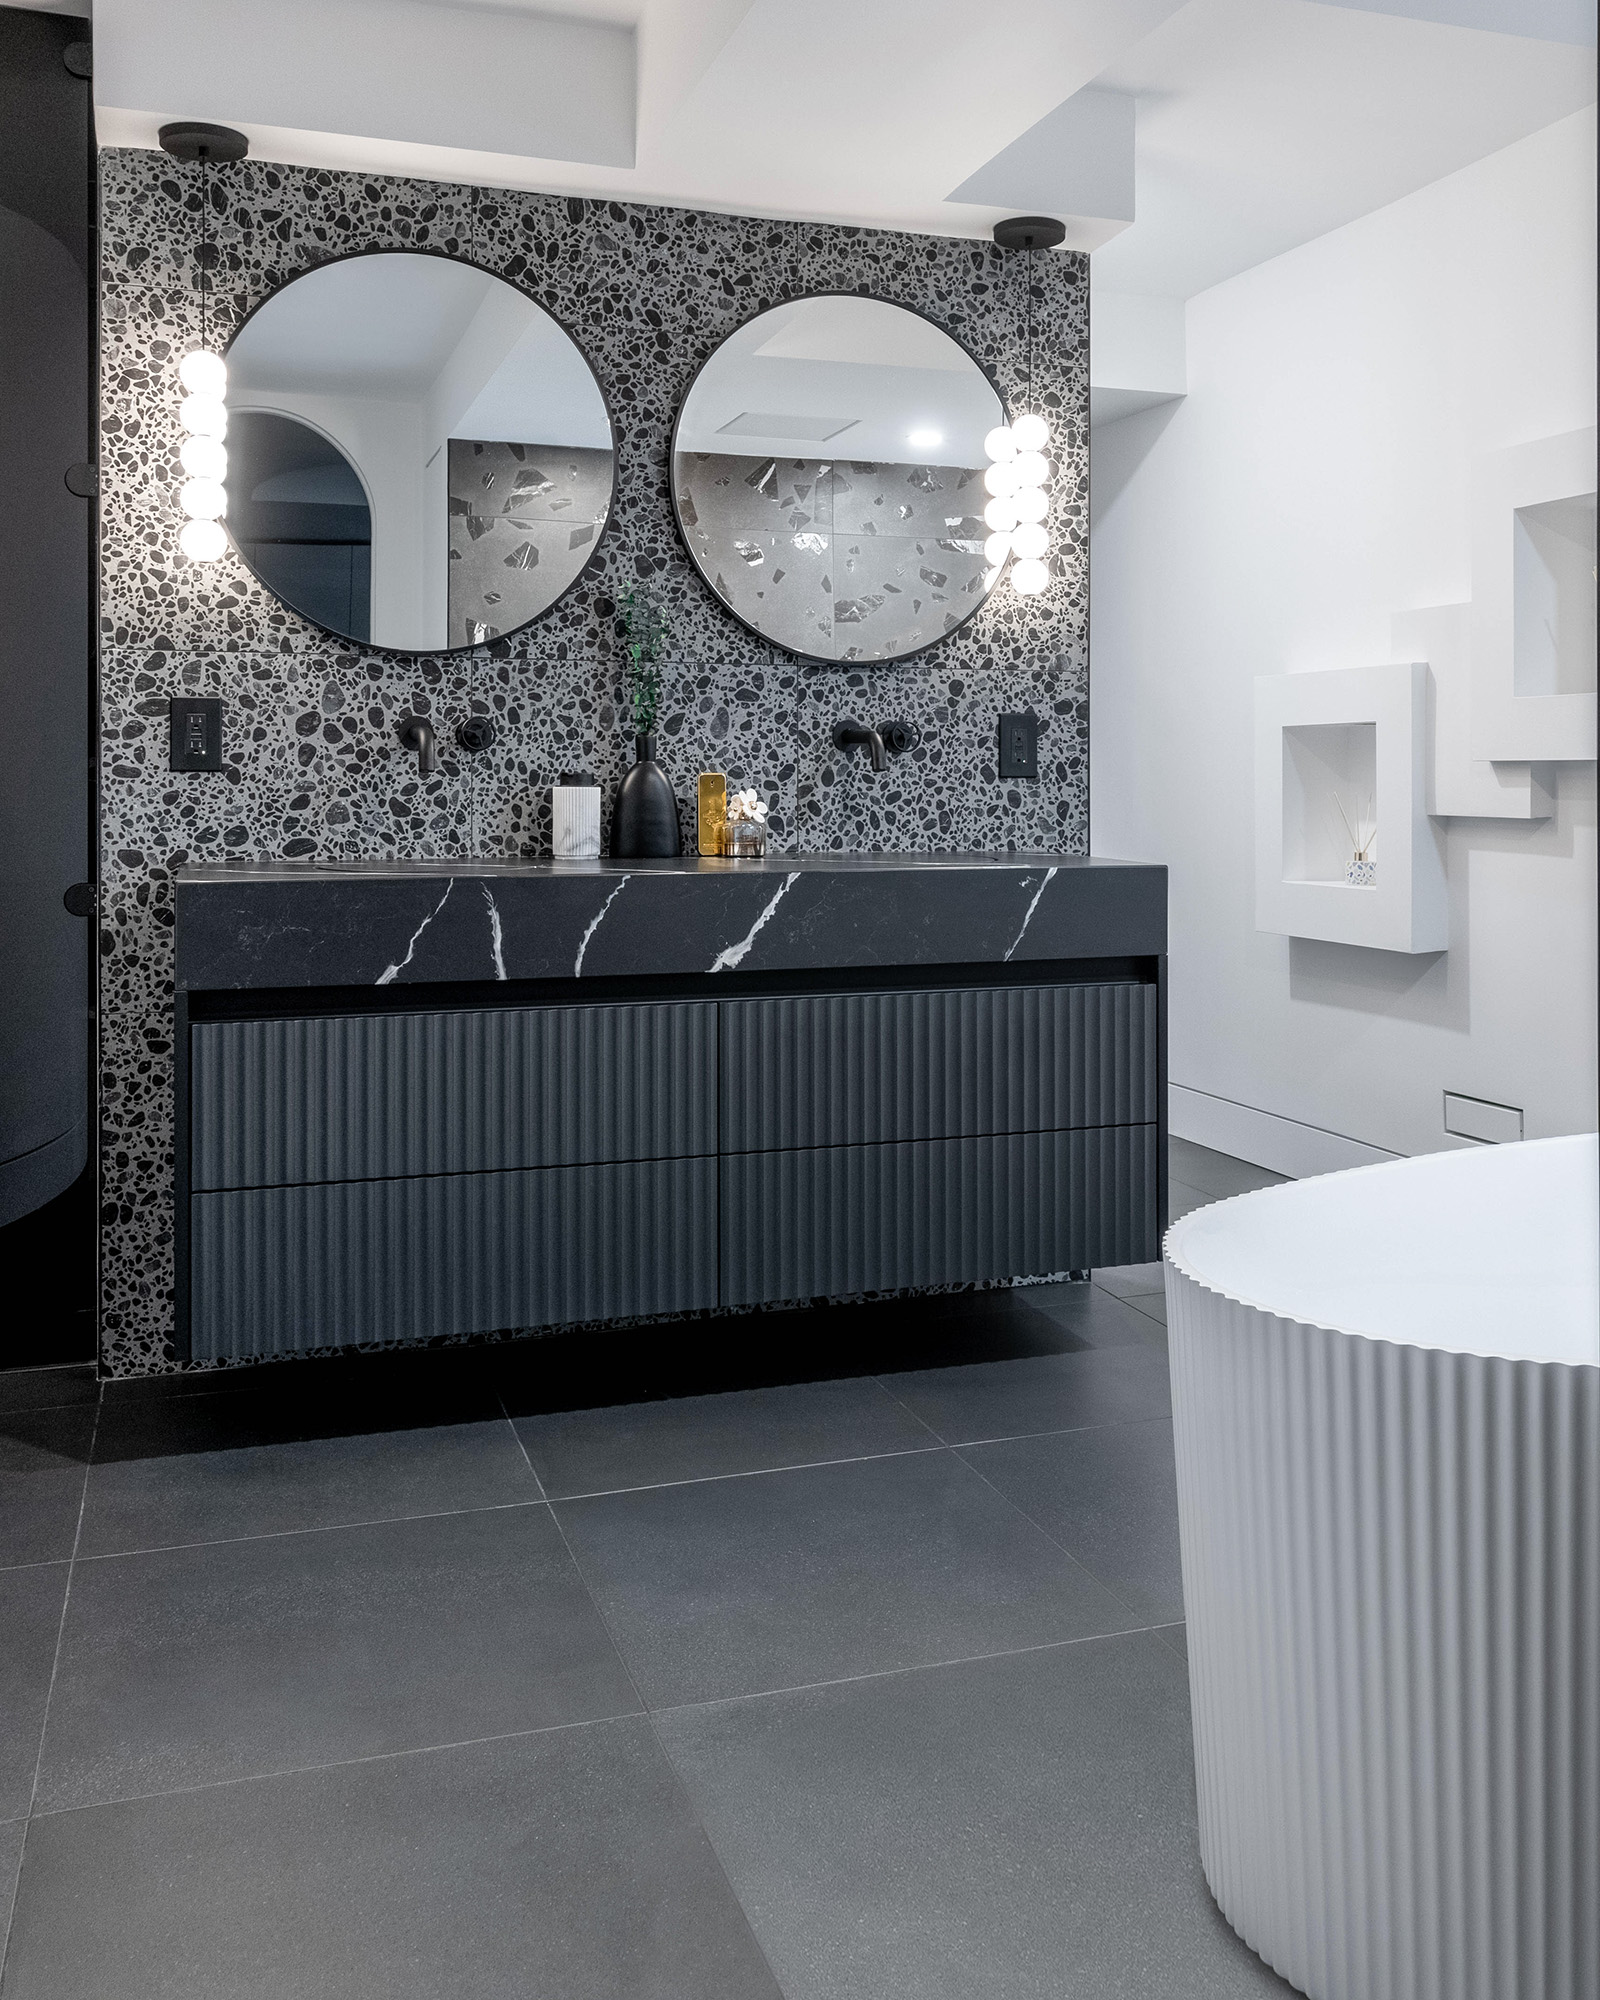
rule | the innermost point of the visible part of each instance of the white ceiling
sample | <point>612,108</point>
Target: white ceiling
<point>1257,123</point>
<point>866,379</point>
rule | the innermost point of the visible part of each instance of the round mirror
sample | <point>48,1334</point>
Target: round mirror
<point>828,470</point>
<point>418,455</point>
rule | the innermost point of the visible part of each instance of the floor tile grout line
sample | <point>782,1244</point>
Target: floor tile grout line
<point>1110,1588</point>
<point>640,1714</point>
<point>644,1708</point>
<point>753,1472</point>
<point>1062,1430</point>
<point>342,1763</point>
<point>516,1438</point>
<point>50,1690</point>
<point>316,1528</point>
<point>900,1402</point>
<point>911,1667</point>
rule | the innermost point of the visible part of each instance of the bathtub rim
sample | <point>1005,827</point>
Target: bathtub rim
<point>1172,1257</point>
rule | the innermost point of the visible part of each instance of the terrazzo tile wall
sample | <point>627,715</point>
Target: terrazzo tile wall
<point>312,764</point>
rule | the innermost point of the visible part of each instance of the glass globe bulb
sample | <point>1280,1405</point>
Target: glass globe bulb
<point>1000,443</point>
<point>1032,468</point>
<point>996,549</point>
<point>203,499</point>
<point>1032,540</point>
<point>203,541</point>
<point>204,416</point>
<point>1029,577</point>
<point>1001,479</point>
<point>204,458</point>
<point>1031,502</point>
<point>1031,433</point>
<point>204,373</point>
<point>1000,516</point>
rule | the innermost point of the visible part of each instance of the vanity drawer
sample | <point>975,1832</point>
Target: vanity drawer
<point>833,1221</point>
<point>860,1068</point>
<point>278,1103</point>
<point>280,1270</point>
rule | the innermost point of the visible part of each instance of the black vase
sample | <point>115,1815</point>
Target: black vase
<point>644,821</point>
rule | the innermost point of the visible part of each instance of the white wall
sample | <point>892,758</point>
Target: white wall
<point>1314,481</point>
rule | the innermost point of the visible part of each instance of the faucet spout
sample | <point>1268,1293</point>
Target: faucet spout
<point>850,735</point>
<point>416,733</point>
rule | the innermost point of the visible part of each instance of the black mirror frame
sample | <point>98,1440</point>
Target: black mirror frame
<point>426,250</point>
<point>794,652</point>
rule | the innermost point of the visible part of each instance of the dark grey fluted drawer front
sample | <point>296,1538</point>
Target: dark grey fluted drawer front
<point>843,1219</point>
<point>334,1098</point>
<point>855,1068</point>
<point>279,1270</point>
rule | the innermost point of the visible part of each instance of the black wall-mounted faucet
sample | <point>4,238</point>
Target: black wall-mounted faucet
<point>416,733</point>
<point>851,735</point>
<point>884,743</point>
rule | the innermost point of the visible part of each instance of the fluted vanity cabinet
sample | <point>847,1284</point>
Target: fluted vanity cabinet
<point>410,1175</point>
<point>878,1141</point>
<point>822,1080</point>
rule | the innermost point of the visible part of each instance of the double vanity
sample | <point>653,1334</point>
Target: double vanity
<point>422,1100</point>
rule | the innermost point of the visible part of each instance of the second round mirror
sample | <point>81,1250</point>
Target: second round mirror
<point>828,470</point>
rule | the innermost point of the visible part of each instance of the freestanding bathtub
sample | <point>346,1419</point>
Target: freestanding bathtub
<point>1386,1394</point>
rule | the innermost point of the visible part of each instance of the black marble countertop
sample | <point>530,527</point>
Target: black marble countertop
<point>380,923</point>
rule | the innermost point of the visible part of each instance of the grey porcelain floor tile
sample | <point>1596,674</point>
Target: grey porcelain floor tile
<point>1153,1305</point>
<point>192,1665</point>
<point>1020,1828</point>
<point>735,1585</point>
<point>44,1457</point>
<point>1217,1174</point>
<point>1183,1199</point>
<point>1177,1637</point>
<point>1055,1392</point>
<point>699,1437</point>
<point>566,1866</point>
<point>12,1835</point>
<point>206,1469</point>
<point>48,1388</point>
<point>1131,1281</point>
<point>1086,1315</point>
<point>1109,1496</point>
<point>30,1620</point>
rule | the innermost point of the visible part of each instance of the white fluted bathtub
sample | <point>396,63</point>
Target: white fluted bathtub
<point>1386,1395</point>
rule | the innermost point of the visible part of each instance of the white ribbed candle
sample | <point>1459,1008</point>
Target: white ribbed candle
<point>575,822</point>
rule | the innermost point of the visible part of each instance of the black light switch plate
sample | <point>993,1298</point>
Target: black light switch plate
<point>195,742</point>
<point>1019,746</point>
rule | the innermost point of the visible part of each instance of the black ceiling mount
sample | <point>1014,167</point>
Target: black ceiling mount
<point>216,144</point>
<point>1024,232</point>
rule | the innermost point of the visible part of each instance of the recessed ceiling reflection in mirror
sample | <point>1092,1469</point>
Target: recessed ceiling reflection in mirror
<point>828,471</point>
<point>418,455</point>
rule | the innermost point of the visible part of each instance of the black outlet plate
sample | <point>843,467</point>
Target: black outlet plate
<point>195,740</point>
<point>1019,745</point>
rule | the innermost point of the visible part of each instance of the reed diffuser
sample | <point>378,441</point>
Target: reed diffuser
<point>1362,870</point>
<point>644,820</point>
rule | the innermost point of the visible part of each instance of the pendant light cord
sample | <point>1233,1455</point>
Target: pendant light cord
<point>1029,319</point>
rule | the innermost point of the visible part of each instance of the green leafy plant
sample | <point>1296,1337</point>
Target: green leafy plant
<point>644,630</point>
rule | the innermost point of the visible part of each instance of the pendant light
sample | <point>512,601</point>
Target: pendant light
<point>1019,474</point>
<point>203,372</point>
